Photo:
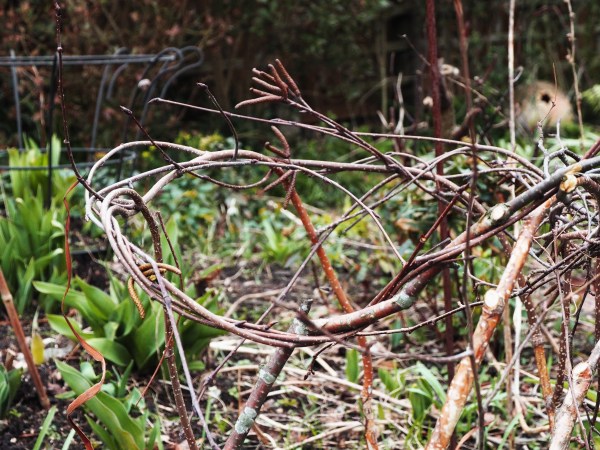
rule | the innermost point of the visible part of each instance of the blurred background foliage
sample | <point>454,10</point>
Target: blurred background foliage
<point>346,54</point>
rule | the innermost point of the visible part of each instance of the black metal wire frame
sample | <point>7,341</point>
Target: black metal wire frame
<point>170,64</point>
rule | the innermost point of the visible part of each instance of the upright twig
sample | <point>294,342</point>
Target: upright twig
<point>462,33</point>
<point>571,58</point>
<point>435,80</point>
<point>513,147</point>
<point>15,323</point>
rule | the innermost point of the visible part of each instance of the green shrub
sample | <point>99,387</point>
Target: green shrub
<point>31,233</point>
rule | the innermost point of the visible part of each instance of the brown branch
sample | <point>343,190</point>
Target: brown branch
<point>494,303</point>
<point>267,376</point>
<point>566,416</point>
<point>402,291</point>
<point>13,317</point>
<point>370,433</point>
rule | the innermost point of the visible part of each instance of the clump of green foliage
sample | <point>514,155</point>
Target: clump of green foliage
<point>110,412</point>
<point>32,233</point>
<point>117,330</point>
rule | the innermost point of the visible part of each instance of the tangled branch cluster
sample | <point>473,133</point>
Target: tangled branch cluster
<point>556,206</point>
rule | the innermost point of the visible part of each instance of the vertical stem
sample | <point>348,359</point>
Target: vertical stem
<point>13,317</point>
<point>464,56</point>
<point>370,433</point>
<point>571,59</point>
<point>511,75</point>
<point>439,150</point>
<point>513,146</point>
<point>176,386</point>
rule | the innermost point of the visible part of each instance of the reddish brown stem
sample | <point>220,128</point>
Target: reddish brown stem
<point>13,317</point>
<point>439,150</point>
<point>367,361</point>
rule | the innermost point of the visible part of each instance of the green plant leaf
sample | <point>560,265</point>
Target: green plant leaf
<point>56,146</point>
<point>45,427</point>
<point>10,381</point>
<point>42,262</point>
<point>352,369</point>
<point>110,330</point>
<point>97,297</point>
<point>111,350</point>
<point>433,382</point>
<point>105,436</point>
<point>154,437</point>
<point>122,380</point>
<point>420,402</point>
<point>127,433</point>
<point>59,324</point>
<point>86,369</point>
<point>69,440</point>
<point>196,337</point>
<point>148,338</point>
<point>25,286</point>
<point>390,382</point>
<point>196,366</point>
<point>127,316</point>
<point>74,299</point>
<point>209,270</point>
<point>511,426</point>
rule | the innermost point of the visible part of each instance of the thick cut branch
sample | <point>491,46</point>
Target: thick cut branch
<point>566,416</point>
<point>493,307</point>
<point>266,377</point>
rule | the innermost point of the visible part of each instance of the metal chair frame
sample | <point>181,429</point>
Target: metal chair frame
<point>164,68</point>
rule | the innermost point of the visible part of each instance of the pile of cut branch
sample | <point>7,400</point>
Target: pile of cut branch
<point>548,232</point>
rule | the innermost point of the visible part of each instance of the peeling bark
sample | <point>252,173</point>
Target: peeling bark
<point>494,303</point>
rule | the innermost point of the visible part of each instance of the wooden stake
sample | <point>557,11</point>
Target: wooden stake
<point>13,317</point>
